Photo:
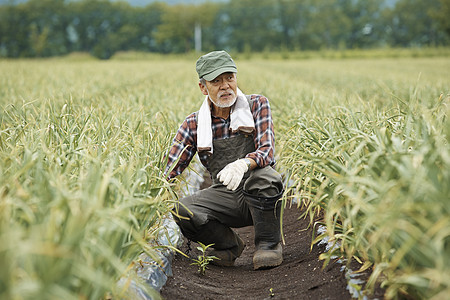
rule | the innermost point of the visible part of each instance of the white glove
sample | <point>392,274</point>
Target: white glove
<point>231,175</point>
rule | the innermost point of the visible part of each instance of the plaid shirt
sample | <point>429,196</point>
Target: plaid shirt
<point>184,144</point>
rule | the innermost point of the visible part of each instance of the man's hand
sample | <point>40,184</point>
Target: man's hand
<point>232,174</point>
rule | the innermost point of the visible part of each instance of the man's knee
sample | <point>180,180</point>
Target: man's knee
<point>265,182</point>
<point>188,217</point>
<point>263,188</point>
<point>181,211</point>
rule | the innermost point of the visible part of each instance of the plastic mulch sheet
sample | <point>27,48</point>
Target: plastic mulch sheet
<point>147,269</point>
<point>155,272</point>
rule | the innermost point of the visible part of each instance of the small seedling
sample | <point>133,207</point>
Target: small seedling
<point>271,293</point>
<point>203,260</point>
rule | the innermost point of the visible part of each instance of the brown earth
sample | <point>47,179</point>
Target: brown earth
<point>300,276</point>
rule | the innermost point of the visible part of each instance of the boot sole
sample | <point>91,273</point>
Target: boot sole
<point>266,259</point>
<point>221,263</point>
<point>262,265</point>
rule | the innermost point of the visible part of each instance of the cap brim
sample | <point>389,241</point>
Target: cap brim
<point>219,71</point>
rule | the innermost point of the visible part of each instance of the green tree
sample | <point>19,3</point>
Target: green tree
<point>46,27</point>
<point>327,24</point>
<point>176,31</point>
<point>412,24</point>
<point>38,40</point>
<point>103,27</point>
<point>147,20</point>
<point>13,31</point>
<point>363,18</point>
<point>250,22</point>
<point>94,20</point>
<point>206,16</point>
<point>441,14</point>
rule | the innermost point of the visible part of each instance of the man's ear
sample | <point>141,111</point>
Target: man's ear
<point>203,88</point>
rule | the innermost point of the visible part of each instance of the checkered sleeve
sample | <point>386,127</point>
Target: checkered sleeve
<point>183,148</point>
<point>264,136</point>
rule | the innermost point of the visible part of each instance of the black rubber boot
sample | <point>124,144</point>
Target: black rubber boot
<point>227,244</point>
<point>269,252</point>
<point>263,191</point>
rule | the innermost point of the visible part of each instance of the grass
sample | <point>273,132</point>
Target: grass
<point>82,145</point>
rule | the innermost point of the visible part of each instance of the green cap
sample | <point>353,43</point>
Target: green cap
<point>211,65</point>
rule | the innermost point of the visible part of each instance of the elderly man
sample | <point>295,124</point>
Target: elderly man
<point>234,138</point>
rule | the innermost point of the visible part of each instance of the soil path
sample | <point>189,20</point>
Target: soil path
<point>300,276</point>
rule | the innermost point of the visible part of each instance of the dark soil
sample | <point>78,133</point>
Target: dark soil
<point>300,276</point>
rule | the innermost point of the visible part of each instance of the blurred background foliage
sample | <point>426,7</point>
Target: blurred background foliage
<point>44,28</point>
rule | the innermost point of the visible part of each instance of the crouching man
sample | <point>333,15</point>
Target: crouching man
<point>234,138</point>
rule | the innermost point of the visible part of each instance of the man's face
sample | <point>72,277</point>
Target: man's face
<point>222,90</point>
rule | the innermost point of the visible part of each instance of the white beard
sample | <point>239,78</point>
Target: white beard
<point>223,105</point>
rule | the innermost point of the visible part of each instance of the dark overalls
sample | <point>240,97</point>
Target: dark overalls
<point>207,215</point>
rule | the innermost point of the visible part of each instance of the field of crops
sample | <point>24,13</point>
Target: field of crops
<point>82,144</point>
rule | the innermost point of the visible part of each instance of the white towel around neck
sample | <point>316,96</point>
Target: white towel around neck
<point>241,119</point>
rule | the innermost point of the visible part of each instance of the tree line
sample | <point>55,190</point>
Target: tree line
<point>43,28</point>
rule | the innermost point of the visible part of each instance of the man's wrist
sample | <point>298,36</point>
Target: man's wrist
<point>249,163</point>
